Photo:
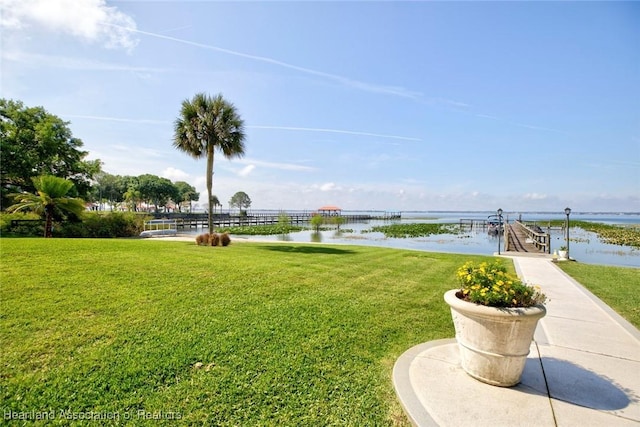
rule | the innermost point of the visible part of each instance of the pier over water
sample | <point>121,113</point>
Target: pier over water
<point>200,220</point>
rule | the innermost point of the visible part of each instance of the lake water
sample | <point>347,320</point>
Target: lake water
<point>584,246</point>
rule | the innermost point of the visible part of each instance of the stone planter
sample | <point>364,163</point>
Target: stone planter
<point>562,254</point>
<point>494,342</point>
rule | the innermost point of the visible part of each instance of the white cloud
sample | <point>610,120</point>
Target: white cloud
<point>245,171</point>
<point>328,186</point>
<point>89,20</point>
<point>279,166</point>
<point>535,196</point>
<point>175,174</point>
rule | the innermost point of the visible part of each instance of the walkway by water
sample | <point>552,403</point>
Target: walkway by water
<point>583,369</point>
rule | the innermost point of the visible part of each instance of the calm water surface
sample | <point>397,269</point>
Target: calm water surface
<point>584,246</point>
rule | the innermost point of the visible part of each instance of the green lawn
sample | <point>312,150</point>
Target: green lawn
<point>251,334</point>
<point>617,287</point>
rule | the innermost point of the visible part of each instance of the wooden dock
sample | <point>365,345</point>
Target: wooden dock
<point>519,237</point>
<point>194,221</point>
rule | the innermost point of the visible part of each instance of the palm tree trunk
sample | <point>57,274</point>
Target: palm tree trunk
<point>210,183</point>
<point>48,225</point>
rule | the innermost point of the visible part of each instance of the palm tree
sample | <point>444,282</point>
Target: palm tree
<point>52,194</point>
<point>215,202</point>
<point>206,124</point>
<point>133,197</point>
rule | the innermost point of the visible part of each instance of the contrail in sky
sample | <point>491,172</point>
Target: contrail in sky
<point>347,132</point>
<point>389,90</point>
<point>287,128</point>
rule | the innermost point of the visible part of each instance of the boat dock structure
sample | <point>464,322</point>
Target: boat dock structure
<point>201,220</point>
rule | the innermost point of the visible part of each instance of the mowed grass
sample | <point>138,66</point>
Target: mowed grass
<point>618,287</point>
<point>250,334</point>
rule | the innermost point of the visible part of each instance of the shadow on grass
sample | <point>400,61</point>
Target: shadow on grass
<point>301,249</point>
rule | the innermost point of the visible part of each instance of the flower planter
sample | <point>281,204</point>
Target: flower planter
<point>562,254</point>
<point>494,342</point>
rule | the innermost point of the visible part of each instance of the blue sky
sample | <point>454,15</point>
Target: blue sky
<point>527,106</point>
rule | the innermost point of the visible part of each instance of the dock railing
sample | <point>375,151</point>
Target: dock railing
<point>535,235</point>
<point>159,227</point>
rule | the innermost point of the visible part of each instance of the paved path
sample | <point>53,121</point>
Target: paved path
<point>583,369</point>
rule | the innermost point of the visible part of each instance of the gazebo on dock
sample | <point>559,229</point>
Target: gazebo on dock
<point>330,211</point>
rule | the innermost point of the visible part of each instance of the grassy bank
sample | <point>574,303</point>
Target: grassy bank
<point>286,334</point>
<point>250,334</point>
<point>616,286</point>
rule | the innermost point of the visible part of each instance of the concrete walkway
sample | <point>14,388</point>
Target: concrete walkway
<point>583,369</point>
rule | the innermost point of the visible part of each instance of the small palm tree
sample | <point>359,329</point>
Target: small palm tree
<point>215,202</point>
<point>132,197</point>
<point>206,124</point>
<point>52,194</point>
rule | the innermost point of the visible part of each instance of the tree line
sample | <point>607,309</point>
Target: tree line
<point>35,143</point>
<point>134,192</point>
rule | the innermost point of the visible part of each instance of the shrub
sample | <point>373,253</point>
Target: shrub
<point>214,239</point>
<point>98,224</point>
<point>203,239</point>
<point>30,225</point>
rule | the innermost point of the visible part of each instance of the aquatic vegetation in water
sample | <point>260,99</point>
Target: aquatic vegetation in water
<point>614,234</point>
<point>414,230</point>
<point>261,230</point>
<point>628,235</point>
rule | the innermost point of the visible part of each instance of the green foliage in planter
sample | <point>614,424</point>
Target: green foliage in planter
<point>490,284</point>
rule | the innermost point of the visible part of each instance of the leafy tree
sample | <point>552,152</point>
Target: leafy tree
<point>316,222</point>
<point>34,142</point>
<point>108,188</point>
<point>338,221</point>
<point>157,190</point>
<point>284,219</point>
<point>204,125</point>
<point>240,200</point>
<point>186,193</point>
<point>132,197</point>
<point>52,196</point>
